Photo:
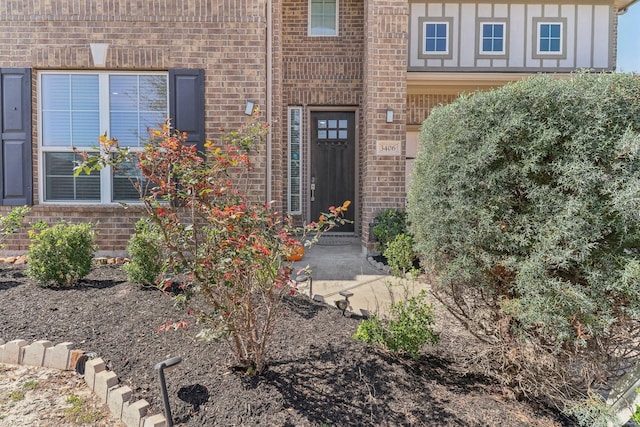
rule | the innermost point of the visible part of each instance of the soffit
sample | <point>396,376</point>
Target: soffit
<point>455,83</point>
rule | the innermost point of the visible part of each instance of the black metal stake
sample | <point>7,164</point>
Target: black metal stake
<point>160,367</point>
<point>306,278</point>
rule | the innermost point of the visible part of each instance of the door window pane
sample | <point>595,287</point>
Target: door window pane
<point>295,161</point>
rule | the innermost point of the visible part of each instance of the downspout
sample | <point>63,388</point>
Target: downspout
<point>269,94</point>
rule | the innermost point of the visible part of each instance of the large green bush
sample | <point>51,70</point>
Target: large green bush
<point>61,254</point>
<point>525,203</point>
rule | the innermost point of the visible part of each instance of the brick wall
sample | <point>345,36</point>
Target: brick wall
<point>385,67</point>
<point>113,224</point>
<point>319,72</point>
<point>419,106</point>
<point>226,39</point>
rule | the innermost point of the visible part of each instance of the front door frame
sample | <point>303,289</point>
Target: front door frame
<point>355,204</point>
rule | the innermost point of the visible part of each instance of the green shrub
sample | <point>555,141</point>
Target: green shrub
<point>400,255</point>
<point>11,222</point>
<point>145,253</point>
<point>635,417</point>
<point>408,328</point>
<point>525,202</point>
<point>388,224</point>
<point>61,254</point>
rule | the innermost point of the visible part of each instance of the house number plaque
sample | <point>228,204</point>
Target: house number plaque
<point>388,148</point>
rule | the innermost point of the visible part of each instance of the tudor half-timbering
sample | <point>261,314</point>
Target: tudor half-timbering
<point>511,37</point>
<point>344,84</point>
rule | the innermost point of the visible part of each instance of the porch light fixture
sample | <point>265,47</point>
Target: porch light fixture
<point>248,109</point>
<point>389,115</point>
<point>99,54</point>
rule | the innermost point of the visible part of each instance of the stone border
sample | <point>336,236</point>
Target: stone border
<point>102,382</point>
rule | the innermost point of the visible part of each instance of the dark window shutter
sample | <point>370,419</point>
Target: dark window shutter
<point>16,180</point>
<point>186,104</point>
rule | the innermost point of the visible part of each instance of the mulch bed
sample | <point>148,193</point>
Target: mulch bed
<point>318,374</point>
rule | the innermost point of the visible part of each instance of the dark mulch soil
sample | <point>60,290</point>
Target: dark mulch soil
<point>318,374</point>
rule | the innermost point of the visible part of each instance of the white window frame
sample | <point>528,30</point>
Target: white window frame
<point>562,53</point>
<point>482,38</point>
<point>424,53</point>
<point>294,166</point>
<point>446,39</point>
<point>310,29</point>
<point>106,173</point>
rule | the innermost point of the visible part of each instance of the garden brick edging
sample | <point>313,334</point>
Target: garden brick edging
<point>102,382</point>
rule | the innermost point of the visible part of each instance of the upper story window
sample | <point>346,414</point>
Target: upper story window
<point>493,38</point>
<point>75,109</point>
<point>549,38</point>
<point>435,36</point>
<point>323,17</point>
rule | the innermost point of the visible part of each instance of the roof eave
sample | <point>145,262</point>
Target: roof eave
<point>623,5</point>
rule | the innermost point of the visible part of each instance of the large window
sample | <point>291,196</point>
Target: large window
<point>323,17</point>
<point>492,40</point>
<point>75,109</point>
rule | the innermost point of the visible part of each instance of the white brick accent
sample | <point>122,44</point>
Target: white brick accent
<point>34,353</point>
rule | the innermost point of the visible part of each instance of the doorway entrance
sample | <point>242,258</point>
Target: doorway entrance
<point>333,163</point>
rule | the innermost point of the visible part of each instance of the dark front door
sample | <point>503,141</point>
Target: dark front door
<point>333,163</point>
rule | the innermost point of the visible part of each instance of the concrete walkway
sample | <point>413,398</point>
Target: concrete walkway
<point>341,265</point>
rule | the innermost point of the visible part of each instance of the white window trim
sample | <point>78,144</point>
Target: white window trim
<point>309,30</point>
<point>481,39</point>
<point>447,39</point>
<point>289,163</point>
<point>423,53</point>
<point>106,173</point>
<point>538,22</point>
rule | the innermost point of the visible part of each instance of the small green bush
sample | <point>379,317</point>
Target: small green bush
<point>409,327</point>
<point>635,417</point>
<point>400,255</point>
<point>144,249</point>
<point>61,254</point>
<point>388,224</point>
<point>11,222</point>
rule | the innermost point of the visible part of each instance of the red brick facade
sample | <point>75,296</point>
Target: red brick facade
<point>385,87</point>
<point>255,50</point>
<point>226,39</point>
